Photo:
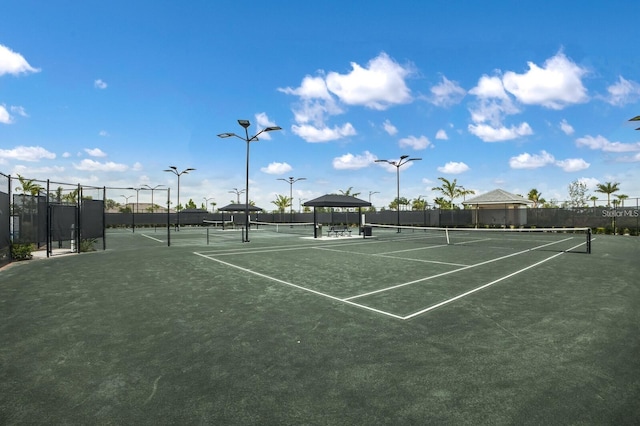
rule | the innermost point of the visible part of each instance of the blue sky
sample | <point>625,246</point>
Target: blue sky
<point>504,94</point>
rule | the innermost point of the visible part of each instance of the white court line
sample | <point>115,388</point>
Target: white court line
<point>152,238</point>
<point>485,285</point>
<point>453,271</point>
<point>391,257</point>
<point>299,287</point>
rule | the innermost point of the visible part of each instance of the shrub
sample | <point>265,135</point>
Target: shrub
<point>22,251</point>
<point>87,245</point>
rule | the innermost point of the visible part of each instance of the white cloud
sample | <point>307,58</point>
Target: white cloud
<point>416,143</point>
<point>66,155</point>
<point>566,127</point>
<point>630,159</point>
<point>442,135</point>
<point>26,153</point>
<point>276,168</point>
<point>137,166</point>
<point>389,128</point>
<point>310,88</point>
<point>263,122</point>
<point>453,168</point>
<point>499,134</point>
<point>103,133</point>
<point>555,85</point>
<point>353,162</point>
<point>528,161</point>
<point>5,117</point>
<point>324,134</point>
<point>489,88</point>
<point>623,92</point>
<point>95,152</point>
<point>447,93</point>
<point>602,143</point>
<point>100,84</point>
<point>13,63</point>
<point>572,164</point>
<point>19,110</point>
<point>379,85</point>
<point>92,165</point>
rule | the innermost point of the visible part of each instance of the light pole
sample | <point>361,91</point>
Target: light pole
<point>404,159</point>
<point>126,200</point>
<point>206,200</point>
<point>237,192</point>
<point>254,138</point>
<point>291,181</point>
<point>153,207</point>
<point>371,193</point>
<point>174,170</point>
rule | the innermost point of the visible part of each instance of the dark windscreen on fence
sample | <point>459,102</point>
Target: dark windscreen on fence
<point>92,219</point>
<point>5,223</point>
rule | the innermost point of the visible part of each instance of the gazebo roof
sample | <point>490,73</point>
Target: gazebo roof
<point>239,208</point>
<point>497,196</point>
<point>337,200</point>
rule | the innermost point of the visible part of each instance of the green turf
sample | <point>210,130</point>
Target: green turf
<point>148,334</point>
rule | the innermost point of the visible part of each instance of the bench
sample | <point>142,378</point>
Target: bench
<point>338,231</point>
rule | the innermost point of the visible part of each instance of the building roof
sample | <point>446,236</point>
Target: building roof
<point>337,200</point>
<point>239,208</point>
<point>497,196</point>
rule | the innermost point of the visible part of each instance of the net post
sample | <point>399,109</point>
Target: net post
<point>446,232</point>
<point>588,240</point>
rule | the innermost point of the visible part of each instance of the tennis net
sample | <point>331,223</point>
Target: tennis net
<point>218,223</point>
<point>300,228</point>
<point>552,239</point>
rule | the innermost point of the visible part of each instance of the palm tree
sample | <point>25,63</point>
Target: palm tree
<point>442,203</point>
<point>282,202</point>
<point>449,189</point>
<point>348,192</point>
<point>621,198</point>
<point>463,192</point>
<point>608,188</point>
<point>536,197</point>
<point>594,199</point>
<point>419,204</point>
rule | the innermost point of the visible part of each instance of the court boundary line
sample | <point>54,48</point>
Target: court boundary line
<point>299,287</point>
<point>348,300</point>
<point>460,296</point>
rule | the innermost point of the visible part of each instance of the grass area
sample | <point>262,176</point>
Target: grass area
<point>143,333</point>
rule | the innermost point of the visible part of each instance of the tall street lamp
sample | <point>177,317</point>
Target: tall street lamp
<point>254,138</point>
<point>174,170</point>
<point>237,192</point>
<point>291,181</point>
<point>404,159</point>
<point>153,207</point>
<point>371,193</point>
<point>206,200</point>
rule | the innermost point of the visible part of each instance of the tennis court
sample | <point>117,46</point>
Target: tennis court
<point>396,328</point>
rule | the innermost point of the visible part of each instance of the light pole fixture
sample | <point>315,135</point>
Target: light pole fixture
<point>174,170</point>
<point>636,118</point>
<point>126,200</point>
<point>206,200</point>
<point>371,193</point>
<point>245,124</point>
<point>291,181</point>
<point>153,207</point>
<point>404,159</point>
<point>237,192</point>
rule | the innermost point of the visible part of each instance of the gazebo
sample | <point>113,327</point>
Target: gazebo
<point>237,208</point>
<point>336,200</point>
<point>499,208</point>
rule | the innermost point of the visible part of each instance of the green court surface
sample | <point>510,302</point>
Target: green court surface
<point>290,330</point>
